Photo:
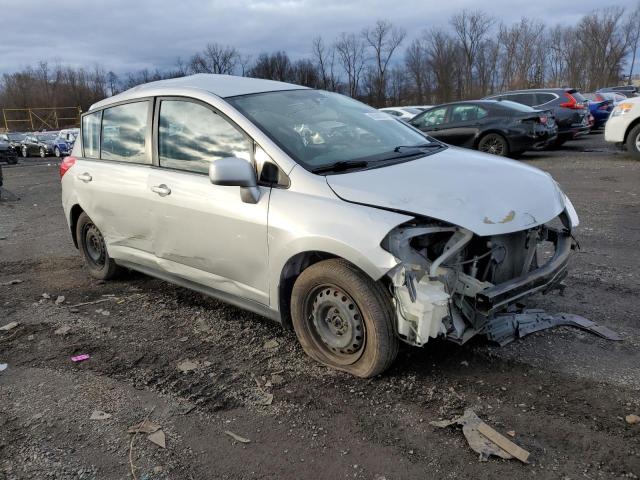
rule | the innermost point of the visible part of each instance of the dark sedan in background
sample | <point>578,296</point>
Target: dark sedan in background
<point>44,144</point>
<point>7,153</point>
<point>569,108</point>
<point>498,127</point>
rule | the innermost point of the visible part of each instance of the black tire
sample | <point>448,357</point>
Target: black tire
<point>25,152</point>
<point>94,250</point>
<point>56,152</point>
<point>333,298</point>
<point>494,144</point>
<point>633,142</point>
<point>43,153</point>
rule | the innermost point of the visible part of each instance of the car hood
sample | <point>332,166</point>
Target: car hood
<point>483,193</point>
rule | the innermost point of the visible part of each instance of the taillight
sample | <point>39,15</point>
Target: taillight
<point>66,164</point>
<point>571,103</point>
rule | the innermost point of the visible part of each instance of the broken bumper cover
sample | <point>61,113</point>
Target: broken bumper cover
<point>543,279</point>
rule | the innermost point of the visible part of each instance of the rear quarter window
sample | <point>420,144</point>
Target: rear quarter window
<point>90,135</point>
<point>544,98</point>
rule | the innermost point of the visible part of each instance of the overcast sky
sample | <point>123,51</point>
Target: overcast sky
<point>124,35</point>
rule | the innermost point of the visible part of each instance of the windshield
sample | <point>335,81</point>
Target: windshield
<point>318,128</point>
<point>46,136</point>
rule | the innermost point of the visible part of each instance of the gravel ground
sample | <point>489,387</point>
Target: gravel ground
<point>198,368</point>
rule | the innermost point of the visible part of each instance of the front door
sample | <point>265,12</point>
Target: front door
<point>202,232</point>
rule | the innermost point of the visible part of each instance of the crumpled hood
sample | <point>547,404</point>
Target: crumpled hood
<point>483,193</point>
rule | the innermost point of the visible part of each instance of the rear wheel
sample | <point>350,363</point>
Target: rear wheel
<point>633,142</point>
<point>43,152</point>
<point>25,152</point>
<point>56,151</point>
<point>94,250</point>
<point>494,144</point>
<point>344,319</point>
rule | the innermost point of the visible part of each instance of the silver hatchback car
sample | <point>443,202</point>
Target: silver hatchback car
<point>312,209</point>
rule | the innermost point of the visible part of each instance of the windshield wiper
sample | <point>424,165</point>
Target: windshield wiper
<point>420,146</point>
<point>341,166</point>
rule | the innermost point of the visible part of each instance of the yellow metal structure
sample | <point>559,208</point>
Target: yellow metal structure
<point>45,118</point>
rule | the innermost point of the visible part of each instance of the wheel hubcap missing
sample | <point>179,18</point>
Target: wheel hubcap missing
<point>94,246</point>
<point>337,322</point>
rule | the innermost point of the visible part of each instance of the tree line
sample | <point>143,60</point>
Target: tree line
<point>472,56</point>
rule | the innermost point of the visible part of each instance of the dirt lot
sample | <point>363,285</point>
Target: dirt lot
<point>564,393</point>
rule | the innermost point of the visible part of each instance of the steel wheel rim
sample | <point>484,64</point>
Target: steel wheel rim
<point>493,145</point>
<point>94,245</point>
<point>336,324</point>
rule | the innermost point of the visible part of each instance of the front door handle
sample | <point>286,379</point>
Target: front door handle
<point>85,177</point>
<point>161,190</point>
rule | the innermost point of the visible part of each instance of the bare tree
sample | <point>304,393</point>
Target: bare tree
<point>350,51</point>
<point>384,39</point>
<point>417,65</point>
<point>325,59</point>
<point>633,26</point>
<point>471,28</point>
<point>215,58</point>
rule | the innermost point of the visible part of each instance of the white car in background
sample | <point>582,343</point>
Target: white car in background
<point>623,126</point>
<point>403,113</point>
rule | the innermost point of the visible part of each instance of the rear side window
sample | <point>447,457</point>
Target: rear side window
<point>191,136</point>
<point>523,98</point>
<point>542,98</point>
<point>467,113</point>
<point>91,135</point>
<point>124,133</point>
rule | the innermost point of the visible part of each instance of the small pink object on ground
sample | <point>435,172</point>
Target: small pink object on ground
<point>80,358</point>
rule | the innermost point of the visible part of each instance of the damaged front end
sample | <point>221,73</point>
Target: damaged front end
<point>451,282</point>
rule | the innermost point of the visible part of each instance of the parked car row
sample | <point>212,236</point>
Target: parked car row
<point>513,122</point>
<point>43,144</point>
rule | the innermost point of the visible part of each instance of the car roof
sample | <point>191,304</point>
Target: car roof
<point>462,102</point>
<point>220,85</point>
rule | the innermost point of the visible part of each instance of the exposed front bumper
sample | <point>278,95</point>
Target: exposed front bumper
<point>544,278</point>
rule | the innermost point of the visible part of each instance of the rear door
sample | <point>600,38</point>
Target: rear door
<point>202,232</point>
<point>111,178</point>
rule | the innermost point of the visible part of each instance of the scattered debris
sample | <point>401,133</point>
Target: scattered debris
<point>91,303</point>
<point>146,426</point>
<point>63,330</point>
<point>104,312</point>
<point>632,419</point>
<point>484,439</point>
<point>9,326</point>
<point>46,296</point>
<point>276,379</point>
<point>464,363</point>
<point>99,415</point>
<point>3,367</point>
<point>159,438</point>
<point>80,358</point>
<point>511,433</point>
<point>60,300</point>
<point>11,282</point>
<point>186,366</point>
<point>137,428</point>
<point>265,399</point>
<point>237,437</point>
<point>270,344</point>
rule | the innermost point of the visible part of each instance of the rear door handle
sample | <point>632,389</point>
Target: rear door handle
<point>161,190</point>
<point>85,177</point>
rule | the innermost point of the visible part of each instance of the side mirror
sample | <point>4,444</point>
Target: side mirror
<point>236,172</point>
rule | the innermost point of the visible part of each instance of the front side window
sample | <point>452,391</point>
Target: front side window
<point>90,135</point>
<point>318,129</point>
<point>191,136</point>
<point>432,119</point>
<point>124,132</point>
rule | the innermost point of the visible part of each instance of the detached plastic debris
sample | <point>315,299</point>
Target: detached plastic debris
<point>3,366</point>
<point>80,358</point>
<point>484,439</point>
<point>9,326</point>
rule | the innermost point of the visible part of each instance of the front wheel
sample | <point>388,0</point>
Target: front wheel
<point>633,142</point>
<point>94,250</point>
<point>344,319</point>
<point>43,153</point>
<point>25,152</point>
<point>56,152</point>
<point>494,144</point>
